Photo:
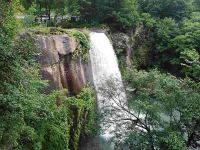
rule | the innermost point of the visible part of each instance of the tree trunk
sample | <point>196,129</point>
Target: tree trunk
<point>151,141</point>
<point>49,14</point>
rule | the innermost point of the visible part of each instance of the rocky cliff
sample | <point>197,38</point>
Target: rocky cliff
<point>58,65</point>
<point>63,71</point>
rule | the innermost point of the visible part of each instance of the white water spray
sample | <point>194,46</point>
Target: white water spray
<point>104,70</point>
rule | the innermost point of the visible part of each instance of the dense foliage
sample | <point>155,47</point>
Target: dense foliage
<point>166,36</point>
<point>82,50</point>
<point>163,34</point>
<point>30,119</point>
<point>168,40</point>
<point>123,15</point>
<point>175,46</point>
<point>169,113</point>
<point>176,9</point>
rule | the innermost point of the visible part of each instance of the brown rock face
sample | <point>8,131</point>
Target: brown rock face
<point>58,67</point>
<point>64,45</point>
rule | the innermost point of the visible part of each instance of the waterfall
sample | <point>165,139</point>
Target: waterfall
<point>108,84</point>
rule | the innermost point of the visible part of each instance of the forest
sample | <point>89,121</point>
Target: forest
<point>157,44</point>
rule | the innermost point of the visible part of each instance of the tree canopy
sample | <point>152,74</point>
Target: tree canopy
<point>163,38</point>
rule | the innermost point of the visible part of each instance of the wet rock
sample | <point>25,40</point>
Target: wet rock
<point>123,45</point>
<point>120,42</point>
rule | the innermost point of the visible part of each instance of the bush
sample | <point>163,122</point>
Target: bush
<point>82,51</point>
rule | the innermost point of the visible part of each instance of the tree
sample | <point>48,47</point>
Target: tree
<point>172,45</point>
<point>163,111</point>
<point>127,15</point>
<point>7,32</point>
<point>176,9</point>
<point>30,119</point>
<point>42,6</point>
<point>25,112</point>
<point>169,105</point>
<point>60,7</point>
<point>186,44</point>
<point>121,14</point>
<point>196,4</point>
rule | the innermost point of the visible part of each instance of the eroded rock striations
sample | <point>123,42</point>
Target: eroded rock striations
<point>58,65</point>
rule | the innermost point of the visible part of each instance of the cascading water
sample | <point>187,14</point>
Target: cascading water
<point>106,76</point>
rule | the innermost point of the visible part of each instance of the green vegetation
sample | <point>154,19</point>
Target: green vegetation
<point>81,117</point>
<point>176,9</point>
<point>170,111</point>
<point>30,119</point>
<point>82,50</point>
<point>168,40</point>
<point>82,39</point>
<point>164,40</point>
<point>168,37</point>
<point>82,12</point>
